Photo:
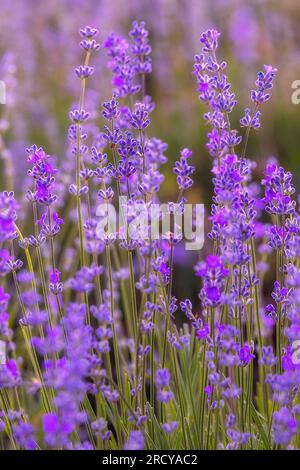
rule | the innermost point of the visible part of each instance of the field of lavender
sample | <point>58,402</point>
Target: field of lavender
<point>115,336</point>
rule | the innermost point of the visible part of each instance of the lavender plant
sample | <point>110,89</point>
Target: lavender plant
<point>100,353</point>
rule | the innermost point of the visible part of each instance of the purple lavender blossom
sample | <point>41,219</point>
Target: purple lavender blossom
<point>285,426</point>
<point>135,441</point>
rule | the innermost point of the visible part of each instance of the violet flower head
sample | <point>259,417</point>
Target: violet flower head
<point>246,355</point>
<point>24,435</point>
<point>209,39</point>
<point>215,92</point>
<point>42,173</point>
<point>139,117</point>
<point>260,95</point>
<point>111,109</point>
<point>214,274</point>
<point>162,378</point>
<point>122,66</point>
<point>8,215</point>
<point>88,32</point>
<point>263,83</point>
<point>9,374</point>
<point>84,71</point>
<point>278,191</point>
<point>203,333</point>
<point>121,319</point>
<point>100,429</point>
<point>183,170</point>
<point>251,121</point>
<point>140,48</point>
